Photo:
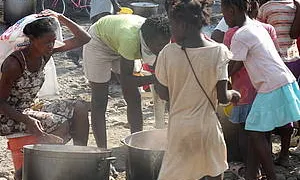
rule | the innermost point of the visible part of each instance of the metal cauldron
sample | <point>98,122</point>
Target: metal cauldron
<point>145,9</point>
<point>61,162</point>
<point>145,154</point>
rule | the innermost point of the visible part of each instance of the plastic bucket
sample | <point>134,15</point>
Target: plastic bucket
<point>126,10</point>
<point>15,145</point>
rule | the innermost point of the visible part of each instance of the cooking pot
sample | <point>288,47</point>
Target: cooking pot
<point>145,154</point>
<point>145,9</point>
<point>62,162</point>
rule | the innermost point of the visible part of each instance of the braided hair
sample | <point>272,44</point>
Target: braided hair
<point>154,26</point>
<point>195,12</point>
<point>40,27</point>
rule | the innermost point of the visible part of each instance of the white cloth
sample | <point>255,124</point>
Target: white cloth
<point>196,147</point>
<point>265,67</point>
<point>100,6</point>
<point>147,56</point>
<point>99,60</point>
<point>222,26</point>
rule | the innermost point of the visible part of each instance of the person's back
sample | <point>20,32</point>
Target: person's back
<point>121,33</point>
<point>280,14</point>
<point>185,96</point>
<point>192,74</point>
<point>264,52</point>
<point>190,110</point>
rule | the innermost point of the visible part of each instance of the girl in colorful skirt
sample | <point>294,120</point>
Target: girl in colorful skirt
<point>277,101</point>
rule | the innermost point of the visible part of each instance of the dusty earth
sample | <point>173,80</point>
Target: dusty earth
<point>73,84</point>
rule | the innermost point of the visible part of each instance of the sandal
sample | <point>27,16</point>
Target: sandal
<point>238,169</point>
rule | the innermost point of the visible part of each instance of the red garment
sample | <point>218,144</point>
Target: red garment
<point>240,80</point>
<point>146,67</point>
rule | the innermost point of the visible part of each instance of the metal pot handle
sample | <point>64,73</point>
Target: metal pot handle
<point>99,165</point>
<point>123,141</point>
<point>110,159</point>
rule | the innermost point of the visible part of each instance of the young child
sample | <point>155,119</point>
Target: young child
<point>277,101</point>
<point>196,147</point>
<point>241,82</point>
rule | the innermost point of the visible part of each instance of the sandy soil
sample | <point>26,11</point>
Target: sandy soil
<point>73,84</point>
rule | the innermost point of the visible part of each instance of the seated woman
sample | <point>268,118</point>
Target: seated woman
<point>22,78</point>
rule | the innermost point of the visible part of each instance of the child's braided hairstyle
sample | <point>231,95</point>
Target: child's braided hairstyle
<point>195,12</point>
<point>156,25</point>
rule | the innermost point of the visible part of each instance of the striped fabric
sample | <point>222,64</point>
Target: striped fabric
<point>280,14</point>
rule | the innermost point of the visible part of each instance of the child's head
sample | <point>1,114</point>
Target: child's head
<point>234,11</point>
<point>156,33</point>
<point>42,34</point>
<point>188,14</point>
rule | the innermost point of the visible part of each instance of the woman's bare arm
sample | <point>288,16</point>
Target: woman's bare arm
<point>80,37</point>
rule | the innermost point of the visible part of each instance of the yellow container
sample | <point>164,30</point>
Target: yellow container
<point>126,10</point>
<point>228,110</point>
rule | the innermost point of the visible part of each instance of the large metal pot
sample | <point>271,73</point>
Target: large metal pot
<point>145,9</point>
<point>17,9</point>
<point>145,154</point>
<point>61,162</point>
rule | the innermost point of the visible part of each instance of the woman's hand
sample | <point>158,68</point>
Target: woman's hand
<point>48,12</point>
<point>34,126</point>
<point>50,139</point>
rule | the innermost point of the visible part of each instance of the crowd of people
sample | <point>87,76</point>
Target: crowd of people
<point>251,61</point>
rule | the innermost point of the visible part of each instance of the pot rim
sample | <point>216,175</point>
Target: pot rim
<point>84,149</point>
<point>126,140</point>
<point>144,4</point>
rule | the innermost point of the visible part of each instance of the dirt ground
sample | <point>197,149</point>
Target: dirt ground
<point>73,84</point>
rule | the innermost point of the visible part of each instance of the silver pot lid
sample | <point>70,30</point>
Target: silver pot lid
<point>144,4</point>
<point>152,140</point>
<point>65,149</point>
